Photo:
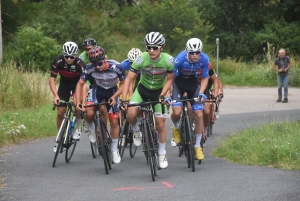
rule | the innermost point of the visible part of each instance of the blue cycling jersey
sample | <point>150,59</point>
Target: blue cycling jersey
<point>186,69</point>
<point>126,65</point>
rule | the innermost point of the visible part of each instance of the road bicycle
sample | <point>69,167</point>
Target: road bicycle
<point>214,107</point>
<point>103,137</point>
<point>64,138</point>
<point>126,136</point>
<point>149,134</point>
<point>186,125</point>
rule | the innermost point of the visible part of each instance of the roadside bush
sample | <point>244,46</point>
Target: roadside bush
<point>32,50</point>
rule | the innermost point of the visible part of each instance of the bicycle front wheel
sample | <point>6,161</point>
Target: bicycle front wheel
<point>94,149</point>
<point>100,143</point>
<point>147,148</point>
<point>190,144</point>
<point>123,137</point>
<point>60,140</point>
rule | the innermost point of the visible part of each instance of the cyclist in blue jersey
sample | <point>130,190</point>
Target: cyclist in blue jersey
<point>103,75</point>
<point>187,64</point>
<point>131,56</point>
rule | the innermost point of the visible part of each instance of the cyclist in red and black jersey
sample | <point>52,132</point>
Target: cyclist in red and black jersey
<point>70,69</point>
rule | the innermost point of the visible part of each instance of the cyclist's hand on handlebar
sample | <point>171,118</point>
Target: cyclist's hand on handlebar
<point>202,97</point>
<point>56,100</point>
<point>123,105</point>
<point>80,107</point>
<point>161,99</point>
<point>169,100</point>
<point>112,100</point>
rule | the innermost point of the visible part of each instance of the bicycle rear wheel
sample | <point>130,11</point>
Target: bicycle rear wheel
<point>148,153</point>
<point>190,144</point>
<point>100,143</point>
<point>60,141</point>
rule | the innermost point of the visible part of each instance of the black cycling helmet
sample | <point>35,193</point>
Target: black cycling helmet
<point>96,54</point>
<point>89,41</point>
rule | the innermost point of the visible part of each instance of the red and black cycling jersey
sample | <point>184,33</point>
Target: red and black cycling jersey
<point>69,73</point>
<point>210,72</point>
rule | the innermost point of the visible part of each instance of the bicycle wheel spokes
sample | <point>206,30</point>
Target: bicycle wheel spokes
<point>145,130</point>
<point>60,140</point>
<point>70,143</point>
<point>101,145</point>
<point>190,144</point>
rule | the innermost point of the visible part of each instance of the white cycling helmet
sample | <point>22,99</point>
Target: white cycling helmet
<point>194,45</point>
<point>70,49</point>
<point>154,38</point>
<point>133,54</point>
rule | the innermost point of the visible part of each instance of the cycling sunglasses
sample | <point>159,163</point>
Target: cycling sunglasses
<point>192,53</point>
<point>88,49</point>
<point>69,57</point>
<point>148,47</point>
<point>99,63</point>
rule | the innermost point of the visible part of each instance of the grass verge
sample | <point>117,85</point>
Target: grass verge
<point>273,145</point>
<point>27,124</point>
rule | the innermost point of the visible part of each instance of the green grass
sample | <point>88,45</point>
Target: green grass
<point>274,145</point>
<point>27,124</point>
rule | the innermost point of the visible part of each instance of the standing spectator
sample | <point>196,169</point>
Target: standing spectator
<point>283,64</point>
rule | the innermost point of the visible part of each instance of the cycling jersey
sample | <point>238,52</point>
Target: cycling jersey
<point>210,72</point>
<point>186,69</point>
<point>69,73</point>
<point>106,79</point>
<point>126,64</point>
<point>84,57</point>
<point>153,74</point>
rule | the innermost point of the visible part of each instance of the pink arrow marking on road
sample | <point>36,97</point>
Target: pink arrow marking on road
<point>164,185</point>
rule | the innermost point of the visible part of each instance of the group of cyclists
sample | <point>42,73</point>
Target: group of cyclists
<point>143,76</point>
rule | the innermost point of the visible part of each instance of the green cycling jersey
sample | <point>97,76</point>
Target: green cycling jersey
<point>84,57</point>
<point>153,73</point>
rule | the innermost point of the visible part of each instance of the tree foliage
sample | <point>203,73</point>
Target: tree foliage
<point>175,19</point>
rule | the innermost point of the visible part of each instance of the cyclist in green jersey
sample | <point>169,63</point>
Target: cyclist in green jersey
<point>87,44</point>
<point>157,71</point>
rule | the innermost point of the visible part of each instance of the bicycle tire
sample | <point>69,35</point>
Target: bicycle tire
<point>190,144</point>
<point>147,148</point>
<point>70,144</point>
<point>107,144</point>
<point>60,141</point>
<point>94,149</point>
<point>101,146</point>
<point>133,147</point>
<point>123,136</point>
<point>208,129</point>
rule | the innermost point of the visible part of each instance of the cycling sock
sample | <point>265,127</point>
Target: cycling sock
<point>198,140</point>
<point>114,145</point>
<point>176,125</point>
<point>136,127</point>
<point>205,129</point>
<point>161,148</point>
<point>91,125</point>
<point>78,123</point>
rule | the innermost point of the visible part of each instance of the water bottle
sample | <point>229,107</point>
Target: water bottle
<point>71,127</point>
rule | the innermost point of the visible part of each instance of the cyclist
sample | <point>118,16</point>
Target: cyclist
<point>157,70</point>
<point>70,68</point>
<point>131,56</point>
<point>213,80</point>
<point>104,76</point>
<point>187,64</point>
<point>87,44</point>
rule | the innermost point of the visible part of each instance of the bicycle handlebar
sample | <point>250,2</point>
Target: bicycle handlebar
<point>98,104</point>
<point>145,103</point>
<point>65,102</point>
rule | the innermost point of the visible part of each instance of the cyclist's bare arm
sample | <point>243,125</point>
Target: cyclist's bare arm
<point>53,89</point>
<point>215,80</point>
<point>130,77</point>
<point>117,94</point>
<point>168,84</point>
<point>203,84</point>
<point>220,86</point>
<point>79,93</point>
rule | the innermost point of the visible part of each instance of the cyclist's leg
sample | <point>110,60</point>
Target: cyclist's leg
<point>197,108</point>
<point>114,131</point>
<point>78,130</point>
<point>133,119</point>
<point>160,122</point>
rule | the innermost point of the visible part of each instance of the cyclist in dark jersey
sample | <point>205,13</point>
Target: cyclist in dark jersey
<point>103,75</point>
<point>157,70</point>
<point>69,68</point>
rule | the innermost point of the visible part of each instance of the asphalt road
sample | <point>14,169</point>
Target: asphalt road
<point>29,175</point>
